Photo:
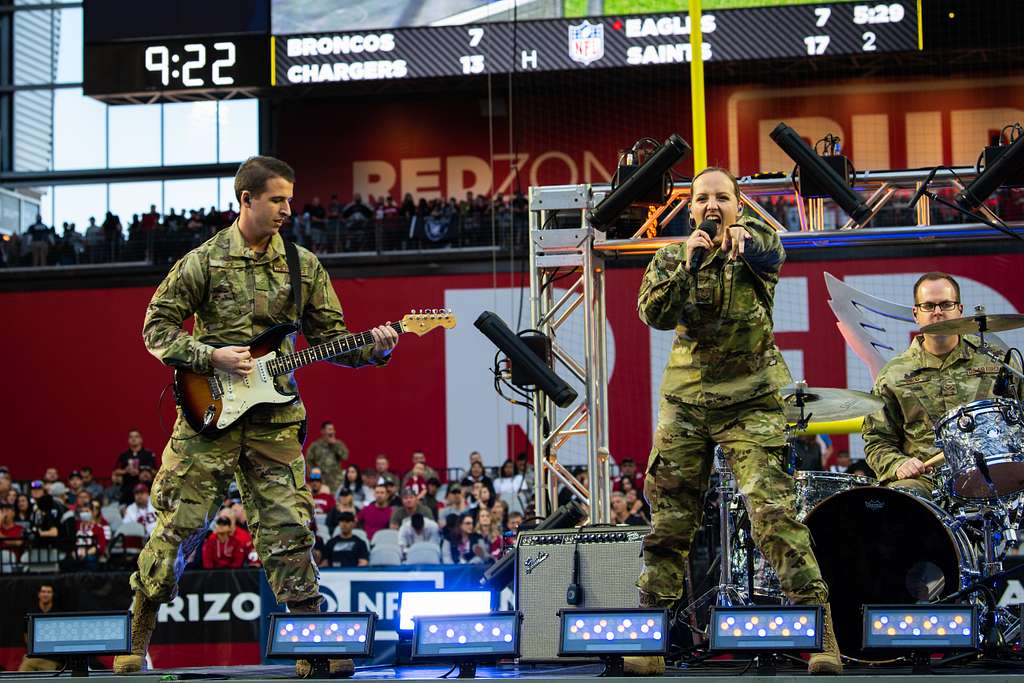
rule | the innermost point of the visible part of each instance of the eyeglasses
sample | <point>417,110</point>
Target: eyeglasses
<point>929,306</point>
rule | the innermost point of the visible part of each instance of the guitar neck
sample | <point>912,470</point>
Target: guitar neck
<point>336,347</point>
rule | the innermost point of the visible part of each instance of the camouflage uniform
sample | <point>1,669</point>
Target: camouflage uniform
<point>236,293</point>
<point>328,457</point>
<point>918,390</point>
<point>721,387</point>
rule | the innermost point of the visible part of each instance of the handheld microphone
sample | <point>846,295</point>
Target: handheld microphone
<point>924,187</point>
<point>709,226</point>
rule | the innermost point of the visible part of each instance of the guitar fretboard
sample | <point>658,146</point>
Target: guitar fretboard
<point>350,342</point>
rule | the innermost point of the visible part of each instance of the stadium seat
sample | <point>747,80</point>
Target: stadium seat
<point>385,556</point>
<point>44,560</point>
<point>127,543</point>
<point>9,563</point>
<point>112,514</point>
<point>385,537</point>
<point>423,553</point>
<point>356,532</point>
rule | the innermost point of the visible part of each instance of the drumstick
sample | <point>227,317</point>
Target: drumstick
<point>936,459</point>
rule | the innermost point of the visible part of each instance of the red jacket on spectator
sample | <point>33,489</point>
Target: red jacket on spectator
<point>95,531</point>
<point>229,553</point>
<point>8,534</point>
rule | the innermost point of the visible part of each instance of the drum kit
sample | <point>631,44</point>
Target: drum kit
<point>893,545</point>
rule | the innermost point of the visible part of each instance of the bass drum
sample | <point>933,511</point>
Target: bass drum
<point>883,546</point>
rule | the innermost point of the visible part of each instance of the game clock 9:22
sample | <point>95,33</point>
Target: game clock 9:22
<point>208,63</point>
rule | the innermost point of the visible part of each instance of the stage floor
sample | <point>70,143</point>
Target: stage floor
<point>718,672</point>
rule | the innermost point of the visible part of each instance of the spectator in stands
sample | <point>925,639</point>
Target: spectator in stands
<point>808,453</point>
<point>82,501</point>
<point>346,549</point>
<point>394,500</point>
<point>131,461</point>
<point>46,527</point>
<point>621,513</point>
<point>381,465</point>
<point>628,471</point>
<point>329,453</point>
<point>116,491</point>
<point>52,475</point>
<point>464,546</point>
<point>12,535</point>
<point>508,485</point>
<point>637,505</point>
<point>842,463</point>
<point>418,528</point>
<point>23,512</point>
<point>524,468</point>
<point>344,503</point>
<point>476,474</point>
<point>488,531</point>
<point>416,479</point>
<point>94,488</point>
<point>499,514</point>
<point>90,539</point>
<point>322,498</point>
<point>515,520</point>
<point>59,492</point>
<point>223,549</point>
<point>95,242</point>
<point>429,499</point>
<point>861,468</point>
<point>361,493</point>
<point>96,507</point>
<point>74,484</point>
<point>141,510</point>
<point>377,515</point>
<point>484,498</point>
<point>410,505</point>
<point>419,457</point>
<point>42,240</point>
<point>146,475</point>
<point>44,604</point>
<point>454,503</point>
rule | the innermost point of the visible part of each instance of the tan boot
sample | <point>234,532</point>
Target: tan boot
<point>338,668</point>
<point>828,661</point>
<point>644,666</point>
<point>143,622</point>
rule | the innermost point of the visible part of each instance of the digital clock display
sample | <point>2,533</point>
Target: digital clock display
<point>162,66</point>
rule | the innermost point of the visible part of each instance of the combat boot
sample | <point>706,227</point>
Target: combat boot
<point>828,661</point>
<point>644,666</point>
<point>143,623</point>
<point>339,668</point>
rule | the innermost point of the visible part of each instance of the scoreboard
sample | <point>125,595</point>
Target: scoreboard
<point>261,61</point>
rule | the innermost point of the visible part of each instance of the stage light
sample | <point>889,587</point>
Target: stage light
<point>526,362</point>
<point>79,635</point>
<point>467,639</point>
<point>920,628</point>
<point>814,169</point>
<point>766,629</point>
<point>412,604</point>
<point>640,183</point>
<point>613,632</point>
<point>318,636</point>
<point>1007,165</point>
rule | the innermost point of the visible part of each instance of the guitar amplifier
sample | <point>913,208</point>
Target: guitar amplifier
<point>610,561</point>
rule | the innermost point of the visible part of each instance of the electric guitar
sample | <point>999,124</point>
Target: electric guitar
<point>212,403</point>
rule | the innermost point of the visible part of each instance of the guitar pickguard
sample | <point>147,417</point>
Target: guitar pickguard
<point>240,394</point>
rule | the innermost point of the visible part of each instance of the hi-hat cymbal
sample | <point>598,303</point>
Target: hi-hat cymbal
<point>829,405</point>
<point>999,322</point>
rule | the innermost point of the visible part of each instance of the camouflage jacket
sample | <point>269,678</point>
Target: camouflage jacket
<point>724,350</point>
<point>328,457</point>
<point>918,390</point>
<point>235,294</point>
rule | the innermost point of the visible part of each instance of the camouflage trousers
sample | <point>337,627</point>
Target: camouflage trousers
<point>191,484</point>
<point>752,438</point>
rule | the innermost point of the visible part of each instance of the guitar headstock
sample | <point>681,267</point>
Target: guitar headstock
<point>425,320</point>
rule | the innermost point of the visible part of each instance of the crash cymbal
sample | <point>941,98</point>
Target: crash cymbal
<point>830,405</point>
<point>999,322</point>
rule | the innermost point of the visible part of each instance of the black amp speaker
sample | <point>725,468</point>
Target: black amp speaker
<point>610,561</point>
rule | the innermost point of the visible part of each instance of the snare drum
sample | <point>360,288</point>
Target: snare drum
<point>813,487</point>
<point>984,446</point>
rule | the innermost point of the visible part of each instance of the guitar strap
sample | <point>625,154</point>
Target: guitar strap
<point>291,254</point>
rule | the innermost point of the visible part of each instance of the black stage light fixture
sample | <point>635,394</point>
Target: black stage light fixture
<point>1001,168</point>
<point>319,636</point>
<point>75,636</point>
<point>531,368</point>
<point>640,183</point>
<point>816,171</point>
<point>467,640</point>
<point>611,634</point>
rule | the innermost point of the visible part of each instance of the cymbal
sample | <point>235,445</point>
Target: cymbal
<point>830,405</point>
<point>998,322</point>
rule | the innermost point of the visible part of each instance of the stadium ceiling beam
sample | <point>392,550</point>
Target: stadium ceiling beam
<point>116,175</point>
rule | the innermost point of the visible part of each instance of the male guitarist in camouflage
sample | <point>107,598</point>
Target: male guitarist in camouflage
<point>237,285</point>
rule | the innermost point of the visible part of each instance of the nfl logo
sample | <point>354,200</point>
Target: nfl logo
<point>586,42</point>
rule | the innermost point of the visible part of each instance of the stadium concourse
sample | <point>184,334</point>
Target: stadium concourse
<point>516,339</point>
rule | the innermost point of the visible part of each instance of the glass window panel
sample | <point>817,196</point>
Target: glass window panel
<point>46,204</point>
<point>33,47</point>
<point>68,36</point>
<point>186,195</point>
<point>227,194</point>
<point>134,135</point>
<point>239,129</point>
<point>190,135</point>
<point>32,2</point>
<point>77,203</point>
<point>127,199</point>
<point>33,130</point>
<point>10,208</point>
<point>79,131</point>
<point>31,209</point>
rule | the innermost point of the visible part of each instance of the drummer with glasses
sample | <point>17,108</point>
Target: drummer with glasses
<point>936,374</point>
